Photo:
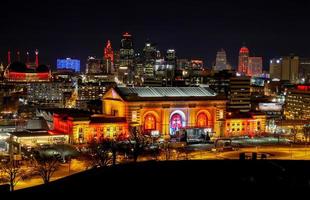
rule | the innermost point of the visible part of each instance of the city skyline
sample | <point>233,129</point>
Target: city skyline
<point>195,29</point>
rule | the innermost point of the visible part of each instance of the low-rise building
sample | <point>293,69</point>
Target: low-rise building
<point>241,124</point>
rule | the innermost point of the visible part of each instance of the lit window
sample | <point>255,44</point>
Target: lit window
<point>149,122</point>
<point>202,120</point>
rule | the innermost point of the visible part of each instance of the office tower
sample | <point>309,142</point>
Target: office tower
<point>108,59</point>
<point>275,68</point>
<point>243,64</point>
<point>127,54</point>
<point>285,68</point>
<point>68,63</point>
<point>297,105</point>
<point>171,62</point>
<point>240,94</point>
<point>304,70</point>
<point>221,60</point>
<point>255,67</point>
<point>290,68</point>
<point>149,57</point>
<point>94,65</point>
<point>108,52</point>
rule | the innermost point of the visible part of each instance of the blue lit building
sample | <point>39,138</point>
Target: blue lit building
<point>69,63</point>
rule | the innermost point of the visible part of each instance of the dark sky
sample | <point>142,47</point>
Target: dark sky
<point>60,28</point>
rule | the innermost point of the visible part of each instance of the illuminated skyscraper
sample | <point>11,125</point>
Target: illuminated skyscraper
<point>126,65</point>
<point>171,61</point>
<point>149,58</point>
<point>255,67</point>
<point>94,66</point>
<point>275,68</point>
<point>108,52</point>
<point>286,68</point>
<point>243,60</point>
<point>109,58</point>
<point>221,60</point>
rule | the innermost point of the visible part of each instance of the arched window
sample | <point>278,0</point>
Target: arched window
<point>149,122</point>
<point>202,120</point>
<point>176,121</point>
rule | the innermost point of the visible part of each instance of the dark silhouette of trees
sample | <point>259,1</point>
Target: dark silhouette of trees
<point>99,153</point>
<point>137,144</point>
<point>45,165</point>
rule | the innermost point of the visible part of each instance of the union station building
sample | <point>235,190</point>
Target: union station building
<point>166,111</point>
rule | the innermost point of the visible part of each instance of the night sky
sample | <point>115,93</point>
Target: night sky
<point>196,29</point>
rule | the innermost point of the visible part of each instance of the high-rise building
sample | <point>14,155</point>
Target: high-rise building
<point>255,67</point>
<point>127,55</point>
<point>286,68</point>
<point>149,57</point>
<point>108,52</point>
<point>275,68</point>
<point>108,59</point>
<point>297,105</point>
<point>94,65</point>
<point>68,63</point>
<point>221,61</point>
<point>243,60</point>
<point>290,68</point>
<point>240,94</point>
<point>304,70</point>
<point>171,62</point>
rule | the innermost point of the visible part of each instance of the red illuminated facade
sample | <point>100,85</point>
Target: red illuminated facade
<point>82,128</point>
<point>303,87</point>
<point>108,52</point>
<point>243,60</point>
<point>20,72</point>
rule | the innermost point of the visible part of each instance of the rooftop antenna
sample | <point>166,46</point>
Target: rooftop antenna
<point>37,57</point>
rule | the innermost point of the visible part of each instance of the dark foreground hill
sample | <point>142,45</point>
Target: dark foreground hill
<point>186,177</point>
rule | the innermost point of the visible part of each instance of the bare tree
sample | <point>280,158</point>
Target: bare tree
<point>306,133</point>
<point>100,154</point>
<point>137,144</point>
<point>11,172</point>
<point>46,166</point>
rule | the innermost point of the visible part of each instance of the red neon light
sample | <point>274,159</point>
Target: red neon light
<point>28,76</point>
<point>244,50</point>
<point>303,87</point>
<point>127,34</point>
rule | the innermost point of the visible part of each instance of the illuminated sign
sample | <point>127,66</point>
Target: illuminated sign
<point>155,133</point>
<point>270,106</point>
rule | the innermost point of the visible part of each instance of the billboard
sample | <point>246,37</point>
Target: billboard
<point>69,63</point>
